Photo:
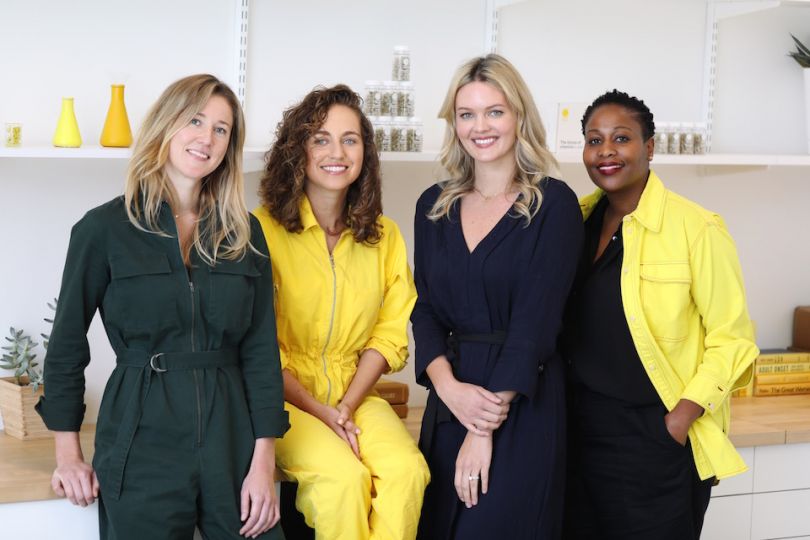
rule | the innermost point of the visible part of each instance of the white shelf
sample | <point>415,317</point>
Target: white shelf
<point>723,160</point>
<point>85,152</point>
<point>254,157</point>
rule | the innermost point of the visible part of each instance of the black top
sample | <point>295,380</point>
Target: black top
<point>598,343</point>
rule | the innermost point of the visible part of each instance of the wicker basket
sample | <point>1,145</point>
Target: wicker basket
<point>20,420</point>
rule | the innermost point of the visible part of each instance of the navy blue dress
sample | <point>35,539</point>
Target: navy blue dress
<point>514,283</point>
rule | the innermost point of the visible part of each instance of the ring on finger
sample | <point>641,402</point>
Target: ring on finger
<point>473,478</point>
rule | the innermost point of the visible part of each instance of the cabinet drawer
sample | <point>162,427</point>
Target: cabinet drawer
<point>780,515</point>
<point>781,467</point>
<point>728,517</point>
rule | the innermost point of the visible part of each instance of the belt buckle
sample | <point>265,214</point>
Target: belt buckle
<point>152,363</point>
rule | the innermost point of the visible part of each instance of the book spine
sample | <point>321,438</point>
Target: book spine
<point>781,389</point>
<point>783,378</point>
<point>782,358</point>
<point>781,368</point>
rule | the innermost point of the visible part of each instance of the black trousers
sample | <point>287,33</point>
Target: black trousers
<point>628,479</point>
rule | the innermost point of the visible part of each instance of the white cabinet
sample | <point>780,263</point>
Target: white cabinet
<point>770,501</point>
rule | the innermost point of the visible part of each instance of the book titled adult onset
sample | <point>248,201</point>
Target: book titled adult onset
<point>781,389</point>
<point>781,368</point>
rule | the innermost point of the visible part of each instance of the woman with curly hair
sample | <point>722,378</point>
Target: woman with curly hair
<point>344,293</point>
<point>495,255</point>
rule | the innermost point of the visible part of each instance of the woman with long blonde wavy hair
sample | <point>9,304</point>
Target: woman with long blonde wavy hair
<point>496,248</point>
<point>180,275</point>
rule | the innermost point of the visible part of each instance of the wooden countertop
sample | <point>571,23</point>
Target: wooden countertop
<point>762,421</point>
<point>26,466</point>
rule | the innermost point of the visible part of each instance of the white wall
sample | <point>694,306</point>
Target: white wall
<point>567,50</point>
<point>295,46</point>
<point>55,49</point>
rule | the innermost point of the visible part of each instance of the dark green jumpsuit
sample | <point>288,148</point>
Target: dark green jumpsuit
<point>197,378</point>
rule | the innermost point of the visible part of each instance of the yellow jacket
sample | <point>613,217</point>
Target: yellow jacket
<point>330,308</point>
<point>684,300</point>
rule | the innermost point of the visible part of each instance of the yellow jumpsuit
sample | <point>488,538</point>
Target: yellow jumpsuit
<point>329,309</point>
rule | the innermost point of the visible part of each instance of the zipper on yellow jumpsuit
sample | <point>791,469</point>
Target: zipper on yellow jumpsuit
<point>329,332</point>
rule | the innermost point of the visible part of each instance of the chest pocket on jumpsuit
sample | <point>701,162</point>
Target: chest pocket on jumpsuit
<point>232,294</point>
<point>666,299</point>
<point>145,291</point>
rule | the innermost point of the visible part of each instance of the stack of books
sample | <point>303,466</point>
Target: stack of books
<point>780,372</point>
<point>783,372</point>
<point>395,393</point>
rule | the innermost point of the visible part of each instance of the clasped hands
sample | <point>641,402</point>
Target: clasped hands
<point>340,419</point>
<point>481,412</point>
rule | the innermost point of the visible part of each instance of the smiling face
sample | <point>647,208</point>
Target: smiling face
<point>616,155</point>
<point>198,148</point>
<point>335,152</point>
<point>485,123</point>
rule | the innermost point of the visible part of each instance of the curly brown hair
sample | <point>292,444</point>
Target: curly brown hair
<point>282,184</point>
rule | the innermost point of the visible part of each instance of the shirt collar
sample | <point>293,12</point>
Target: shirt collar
<point>650,209</point>
<point>307,215</point>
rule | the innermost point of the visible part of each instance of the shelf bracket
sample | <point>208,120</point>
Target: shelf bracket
<point>241,19</point>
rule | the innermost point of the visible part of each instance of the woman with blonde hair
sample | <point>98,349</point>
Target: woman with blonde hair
<point>180,274</point>
<point>495,254</point>
<point>344,292</point>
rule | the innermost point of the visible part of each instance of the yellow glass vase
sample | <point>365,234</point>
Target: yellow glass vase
<point>116,132</point>
<point>67,129</point>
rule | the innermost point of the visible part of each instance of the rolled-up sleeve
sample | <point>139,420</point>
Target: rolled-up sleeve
<point>390,334</point>
<point>719,294</point>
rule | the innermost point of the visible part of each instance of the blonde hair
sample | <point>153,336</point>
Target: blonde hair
<point>225,230</point>
<point>533,160</point>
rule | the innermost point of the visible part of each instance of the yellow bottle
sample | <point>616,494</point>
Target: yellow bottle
<point>67,130</point>
<point>116,132</point>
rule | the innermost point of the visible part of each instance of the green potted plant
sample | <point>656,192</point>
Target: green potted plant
<point>21,391</point>
<point>801,54</point>
<point>802,57</point>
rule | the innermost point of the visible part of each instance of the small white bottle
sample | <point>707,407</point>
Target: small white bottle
<point>674,146</point>
<point>688,138</point>
<point>405,104</point>
<point>401,67</point>
<point>371,105</point>
<point>700,138</point>
<point>414,135</point>
<point>661,138</point>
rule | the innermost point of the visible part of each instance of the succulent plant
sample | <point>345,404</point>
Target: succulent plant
<point>20,359</point>
<point>801,54</point>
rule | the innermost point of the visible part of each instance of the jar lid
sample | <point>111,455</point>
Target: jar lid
<point>401,48</point>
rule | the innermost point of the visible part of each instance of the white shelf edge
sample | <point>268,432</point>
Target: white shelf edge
<point>726,160</point>
<point>84,152</point>
<point>254,157</point>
